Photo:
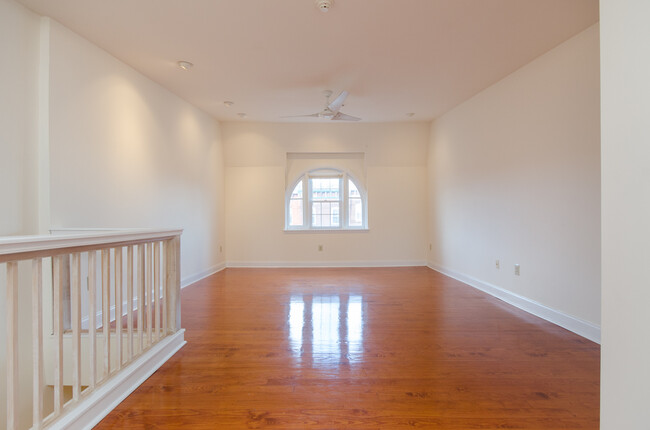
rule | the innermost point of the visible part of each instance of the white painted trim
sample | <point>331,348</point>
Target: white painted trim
<point>18,244</point>
<point>92,409</point>
<point>203,274</point>
<point>43,155</point>
<point>98,315</point>
<point>327,230</point>
<point>88,230</point>
<point>569,322</point>
<point>184,283</point>
<point>345,263</point>
<point>344,199</point>
<point>325,155</point>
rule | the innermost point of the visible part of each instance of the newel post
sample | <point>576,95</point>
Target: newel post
<point>173,282</point>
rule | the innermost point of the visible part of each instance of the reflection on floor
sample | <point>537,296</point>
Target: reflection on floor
<point>379,348</point>
<point>332,326</point>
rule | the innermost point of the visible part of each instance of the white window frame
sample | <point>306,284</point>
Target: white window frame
<point>344,201</point>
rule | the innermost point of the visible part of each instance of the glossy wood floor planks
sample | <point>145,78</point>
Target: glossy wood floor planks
<point>376,348</point>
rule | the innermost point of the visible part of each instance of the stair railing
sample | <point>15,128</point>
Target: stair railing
<point>99,301</point>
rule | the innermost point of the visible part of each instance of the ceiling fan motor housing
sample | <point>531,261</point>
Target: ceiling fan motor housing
<point>324,5</point>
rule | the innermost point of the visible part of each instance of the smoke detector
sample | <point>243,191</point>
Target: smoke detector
<point>324,5</point>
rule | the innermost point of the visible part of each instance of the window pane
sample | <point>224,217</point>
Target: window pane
<point>355,206</point>
<point>354,191</point>
<point>295,212</point>
<point>329,199</point>
<point>297,192</point>
<point>325,214</point>
<point>316,214</point>
<point>356,213</point>
<point>325,188</point>
<point>325,205</point>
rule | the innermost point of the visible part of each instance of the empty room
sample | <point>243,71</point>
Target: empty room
<point>324,214</point>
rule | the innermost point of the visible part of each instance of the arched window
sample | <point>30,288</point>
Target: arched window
<point>326,199</point>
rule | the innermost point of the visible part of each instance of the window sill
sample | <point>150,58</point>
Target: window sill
<point>328,230</point>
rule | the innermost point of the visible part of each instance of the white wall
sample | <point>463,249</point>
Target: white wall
<point>19,48</point>
<point>111,147</point>
<point>19,42</point>
<point>127,153</point>
<point>625,66</point>
<point>395,164</point>
<point>514,175</point>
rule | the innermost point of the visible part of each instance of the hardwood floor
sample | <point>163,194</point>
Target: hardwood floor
<point>377,348</point>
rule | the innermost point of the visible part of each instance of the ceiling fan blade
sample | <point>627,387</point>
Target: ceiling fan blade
<point>313,115</point>
<point>343,117</point>
<point>336,105</point>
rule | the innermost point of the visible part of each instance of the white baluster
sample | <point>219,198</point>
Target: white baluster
<point>141,297</point>
<point>156,289</point>
<point>106,311</point>
<point>12,345</point>
<point>75,320</point>
<point>164,290</point>
<point>37,342</point>
<point>129,301</point>
<point>118,305</point>
<point>149,292</point>
<point>92,315</point>
<point>58,335</point>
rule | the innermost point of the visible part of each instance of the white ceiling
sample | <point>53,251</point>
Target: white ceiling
<point>275,57</point>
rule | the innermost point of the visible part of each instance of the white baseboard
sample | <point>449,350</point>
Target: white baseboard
<point>571,323</point>
<point>203,274</point>
<point>99,316</point>
<point>300,264</point>
<point>92,409</point>
<point>184,283</point>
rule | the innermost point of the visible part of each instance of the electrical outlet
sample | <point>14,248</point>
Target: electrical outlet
<point>320,247</point>
<point>220,248</point>
<point>497,264</point>
<point>517,270</point>
<point>430,247</point>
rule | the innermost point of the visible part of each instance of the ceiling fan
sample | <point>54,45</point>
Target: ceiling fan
<point>332,110</point>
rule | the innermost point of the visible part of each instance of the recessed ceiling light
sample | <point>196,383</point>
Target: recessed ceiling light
<point>410,114</point>
<point>324,5</point>
<point>241,115</point>
<point>228,103</point>
<point>185,65</point>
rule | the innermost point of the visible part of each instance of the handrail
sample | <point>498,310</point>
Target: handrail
<point>123,285</point>
<point>16,247</point>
